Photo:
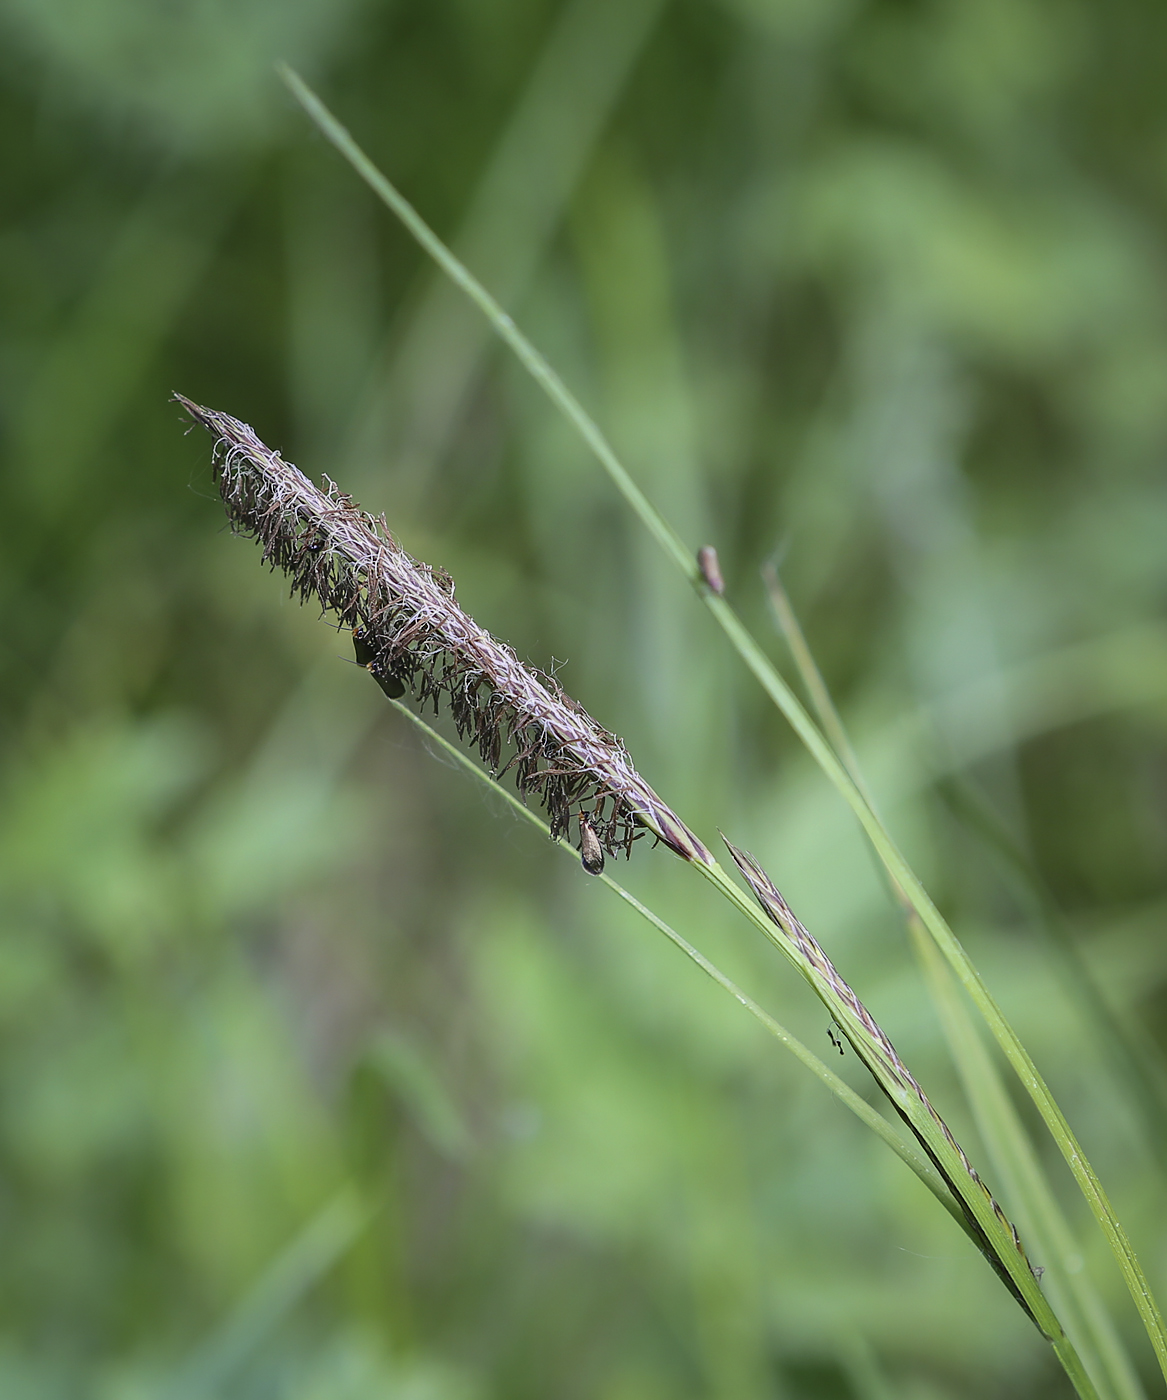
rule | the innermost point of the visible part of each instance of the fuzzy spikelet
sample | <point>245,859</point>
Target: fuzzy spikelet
<point>411,635</point>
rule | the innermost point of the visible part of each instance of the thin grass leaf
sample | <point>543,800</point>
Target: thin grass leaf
<point>531,359</point>
<point>796,714</point>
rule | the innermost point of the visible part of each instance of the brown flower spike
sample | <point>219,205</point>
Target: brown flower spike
<point>411,635</point>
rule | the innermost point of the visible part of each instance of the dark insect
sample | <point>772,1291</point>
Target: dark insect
<point>836,1040</point>
<point>393,686</point>
<point>591,853</point>
<point>710,569</point>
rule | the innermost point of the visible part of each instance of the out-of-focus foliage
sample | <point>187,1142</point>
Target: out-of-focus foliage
<point>319,1076</point>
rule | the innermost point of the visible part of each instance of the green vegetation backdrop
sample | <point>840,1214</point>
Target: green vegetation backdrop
<point>321,1076</point>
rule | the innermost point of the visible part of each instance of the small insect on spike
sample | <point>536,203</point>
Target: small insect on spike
<point>591,853</point>
<point>710,569</point>
<point>392,685</point>
<point>836,1040</point>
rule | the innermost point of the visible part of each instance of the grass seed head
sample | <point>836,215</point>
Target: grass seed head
<point>410,634</point>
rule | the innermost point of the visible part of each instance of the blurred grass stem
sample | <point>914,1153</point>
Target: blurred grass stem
<point>298,1268</point>
<point>424,380</point>
<point>1136,1058</point>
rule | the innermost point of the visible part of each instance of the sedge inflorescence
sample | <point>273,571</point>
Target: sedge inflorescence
<point>413,636</point>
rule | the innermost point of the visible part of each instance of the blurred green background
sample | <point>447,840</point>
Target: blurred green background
<point>321,1076</point>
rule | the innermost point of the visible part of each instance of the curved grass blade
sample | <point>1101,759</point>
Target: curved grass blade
<point>987,1220</point>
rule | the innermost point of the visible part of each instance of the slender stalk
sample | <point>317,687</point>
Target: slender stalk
<point>531,359</point>
<point>812,678</point>
<point>757,661</point>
